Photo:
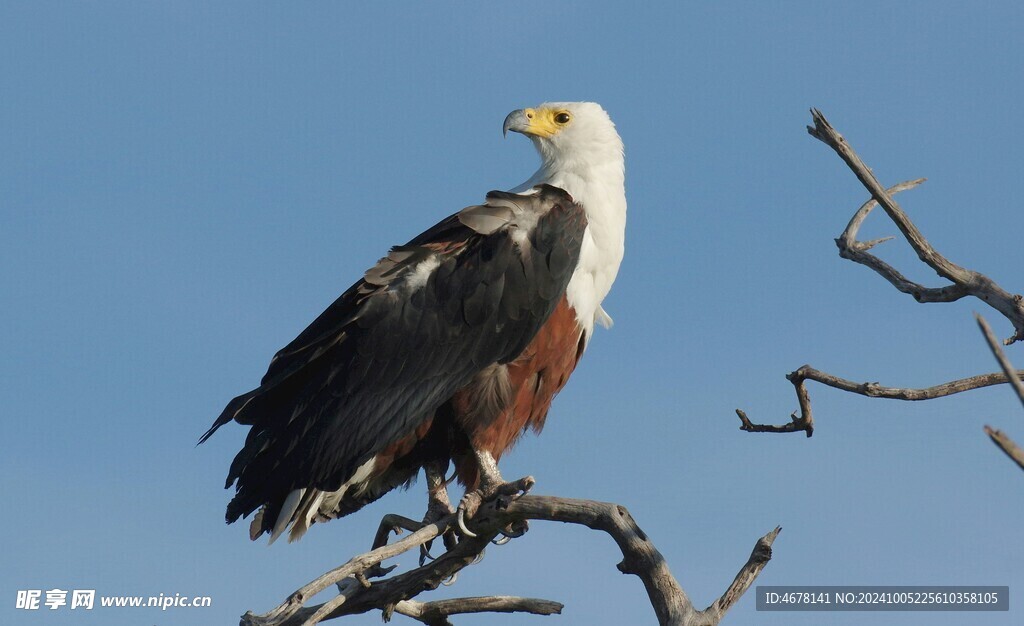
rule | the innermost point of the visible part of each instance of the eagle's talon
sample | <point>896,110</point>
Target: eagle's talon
<point>462,526</point>
<point>502,494</point>
<point>512,531</point>
<point>437,509</point>
<point>450,540</point>
<point>516,529</point>
<point>425,554</point>
<point>524,485</point>
<point>467,508</point>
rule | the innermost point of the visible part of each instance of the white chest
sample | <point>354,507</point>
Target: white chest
<point>592,280</point>
<point>602,249</point>
<point>600,190</point>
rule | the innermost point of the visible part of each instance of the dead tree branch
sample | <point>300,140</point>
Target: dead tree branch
<point>1002,441</point>
<point>965,281</point>
<point>394,594</point>
<point>804,420</point>
<point>993,344</point>
<point>1007,445</point>
<point>437,613</point>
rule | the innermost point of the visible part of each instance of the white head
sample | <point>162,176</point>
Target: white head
<point>570,136</point>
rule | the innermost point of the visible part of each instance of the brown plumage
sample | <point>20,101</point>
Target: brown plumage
<point>533,380</point>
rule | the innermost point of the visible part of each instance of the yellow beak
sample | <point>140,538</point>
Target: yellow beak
<point>536,122</point>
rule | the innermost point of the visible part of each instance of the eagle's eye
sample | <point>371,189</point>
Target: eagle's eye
<point>562,118</point>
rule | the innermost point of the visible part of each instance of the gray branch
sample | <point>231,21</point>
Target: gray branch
<point>1003,441</point>
<point>964,281</point>
<point>358,594</point>
<point>1007,445</point>
<point>993,344</point>
<point>803,421</point>
<point>437,613</point>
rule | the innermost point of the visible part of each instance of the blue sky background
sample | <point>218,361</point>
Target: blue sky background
<point>184,186</point>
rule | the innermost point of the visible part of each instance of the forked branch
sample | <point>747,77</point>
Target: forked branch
<point>358,594</point>
<point>964,282</point>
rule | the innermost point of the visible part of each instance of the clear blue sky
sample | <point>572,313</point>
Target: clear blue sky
<point>183,187</point>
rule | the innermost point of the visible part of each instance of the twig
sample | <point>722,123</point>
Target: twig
<point>640,557</point>
<point>1007,445</point>
<point>1008,371</point>
<point>804,421</point>
<point>759,557</point>
<point>965,281</point>
<point>999,438</point>
<point>857,251</point>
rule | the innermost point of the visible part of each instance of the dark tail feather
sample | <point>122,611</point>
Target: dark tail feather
<point>229,413</point>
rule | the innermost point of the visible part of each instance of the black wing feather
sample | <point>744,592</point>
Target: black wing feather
<point>390,350</point>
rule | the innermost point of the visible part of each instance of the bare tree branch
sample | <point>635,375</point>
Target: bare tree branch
<point>797,423</point>
<point>965,281</point>
<point>294,603</point>
<point>390,595</point>
<point>437,613</point>
<point>857,251</point>
<point>993,344</point>
<point>999,438</point>
<point>1007,445</point>
<point>759,557</point>
<point>804,421</point>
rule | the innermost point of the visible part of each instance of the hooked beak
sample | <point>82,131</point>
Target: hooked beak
<point>517,121</point>
<point>532,122</point>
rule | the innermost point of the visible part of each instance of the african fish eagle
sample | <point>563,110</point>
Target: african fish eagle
<point>447,349</point>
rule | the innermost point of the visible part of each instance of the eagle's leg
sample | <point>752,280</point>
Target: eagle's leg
<point>491,485</point>
<point>438,505</point>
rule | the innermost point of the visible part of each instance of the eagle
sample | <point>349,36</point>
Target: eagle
<point>447,350</point>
